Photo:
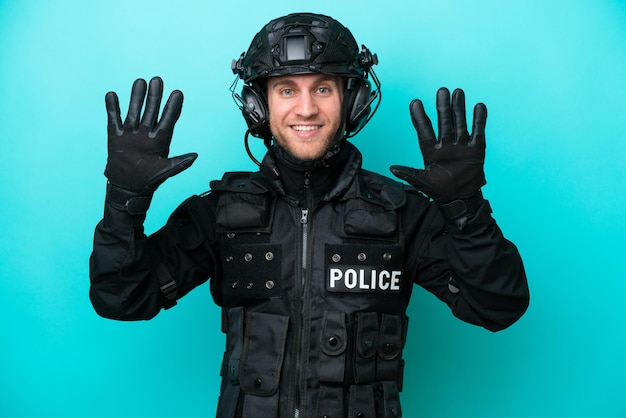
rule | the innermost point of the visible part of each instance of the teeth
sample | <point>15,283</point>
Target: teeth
<point>305,128</point>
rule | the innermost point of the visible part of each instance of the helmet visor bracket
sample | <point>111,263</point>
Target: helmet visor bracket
<point>295,49</point>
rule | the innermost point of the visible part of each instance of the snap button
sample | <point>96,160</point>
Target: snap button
<point>387,256</point>
<point>453,289</point>
<point>389,348</point>
<point>247,257</point>
<point>333,341</point>
<point>361,257</point>
<point>336,258</point>
<point>269,284</point>
<point>269,256</point>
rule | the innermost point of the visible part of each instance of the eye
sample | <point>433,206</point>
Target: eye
<point>323,90</point>
<point>286,92</point>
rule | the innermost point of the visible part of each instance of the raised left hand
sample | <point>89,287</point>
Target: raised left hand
<point>453,161</point>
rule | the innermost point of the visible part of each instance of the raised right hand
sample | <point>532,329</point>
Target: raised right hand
<point>138,149</point>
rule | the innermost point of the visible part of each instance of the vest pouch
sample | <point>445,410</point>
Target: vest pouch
<point>242,204</point>
<point>333,343</point>
<point>371,210</point>
<point>391,342</point>
<point>262,360</point>
<point>362,402</point>
<point>229,394</point>
<point>391,400</point>
<point>366,344</point>
<point>329,402</point>
<point>366,219</point>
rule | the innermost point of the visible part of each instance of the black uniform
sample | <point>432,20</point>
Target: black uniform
<point>314,270</point>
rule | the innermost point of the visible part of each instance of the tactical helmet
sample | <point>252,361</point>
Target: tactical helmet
<point>302,43</point>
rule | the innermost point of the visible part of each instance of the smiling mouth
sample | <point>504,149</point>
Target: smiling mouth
<point>305,128</point>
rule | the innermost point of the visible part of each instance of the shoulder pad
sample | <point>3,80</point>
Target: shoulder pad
<point>245,202</point>
<point>379,190</point>
<point>241,182</point>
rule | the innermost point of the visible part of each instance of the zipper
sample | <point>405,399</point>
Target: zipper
<point>304,222</point>
<point>303,317</point>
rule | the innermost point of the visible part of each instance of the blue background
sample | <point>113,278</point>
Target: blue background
<point>553,75</point>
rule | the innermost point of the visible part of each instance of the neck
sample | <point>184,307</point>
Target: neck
<point>320,175</point>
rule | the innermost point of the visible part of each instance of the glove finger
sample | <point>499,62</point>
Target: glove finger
<point>171,112</point>
<point>408,174</point>
<point>421,122</point>
<point>181,163</point>
<point>112,104</point>
<point>137,96</point>
<point>416,177</point>
<point>153,102</point>
<point>459,121</point>
<point>444,115</point>
<point>172,167</point>
<point>478,126</point>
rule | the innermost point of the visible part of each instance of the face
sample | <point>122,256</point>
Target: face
<point>304,113</point>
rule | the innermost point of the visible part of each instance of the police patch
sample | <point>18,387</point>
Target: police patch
<point>363,269</point>
<point>363,279</point>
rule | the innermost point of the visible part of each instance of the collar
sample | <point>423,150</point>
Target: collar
<point>326,181</point>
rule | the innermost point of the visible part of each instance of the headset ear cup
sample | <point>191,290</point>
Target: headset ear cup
<point>360,108</point>
<point>255,112</point>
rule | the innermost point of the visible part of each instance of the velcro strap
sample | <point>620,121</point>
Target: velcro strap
<point>131,202</point>
<point>462,207</point>
<point>460,210</point>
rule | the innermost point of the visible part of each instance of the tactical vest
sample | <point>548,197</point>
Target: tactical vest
<point>313,301</point>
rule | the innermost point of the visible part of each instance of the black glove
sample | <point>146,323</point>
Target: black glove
<point>453,162</point>
<point>138,150</point>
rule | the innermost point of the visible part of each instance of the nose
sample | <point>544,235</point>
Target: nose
<point>306,106</point>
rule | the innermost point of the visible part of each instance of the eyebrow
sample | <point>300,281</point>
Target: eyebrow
<point>287,81</point>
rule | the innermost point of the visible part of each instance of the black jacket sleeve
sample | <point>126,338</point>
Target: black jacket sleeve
<point>134,276</point>
<point>474,269</point>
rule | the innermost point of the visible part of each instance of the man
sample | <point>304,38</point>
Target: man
<point>312,258</point>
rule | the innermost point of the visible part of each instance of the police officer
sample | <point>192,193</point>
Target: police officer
<point>312,258</point>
